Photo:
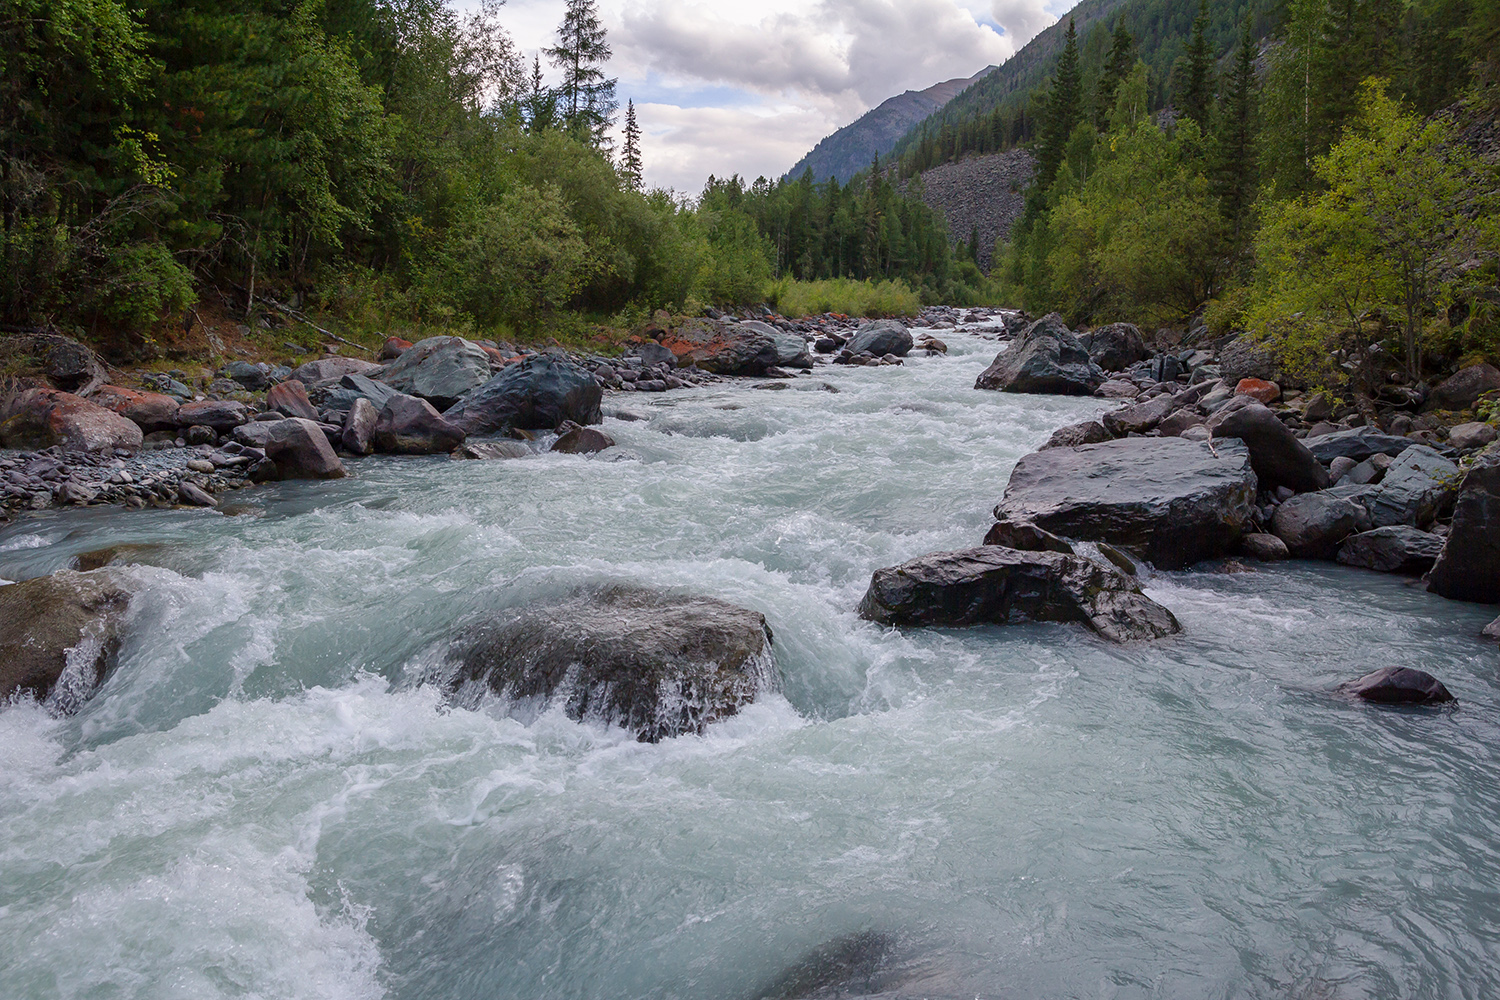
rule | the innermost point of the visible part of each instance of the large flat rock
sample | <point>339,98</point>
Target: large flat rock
<point>1173,501</point>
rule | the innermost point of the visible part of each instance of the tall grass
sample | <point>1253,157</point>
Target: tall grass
<point>869,299</point>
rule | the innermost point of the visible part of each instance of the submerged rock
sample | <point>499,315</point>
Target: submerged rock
<point>1399,686</point>
<point>536,394</point>
<point>852,966</point>
<point>1469,567</point>
<point>991,585</point>
<point>657,664</point>
<point>1046,358</point>
<point>59,635</point>
<point>1174,502</point>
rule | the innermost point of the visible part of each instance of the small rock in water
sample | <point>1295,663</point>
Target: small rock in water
<point>1492,630</point>
<point>582,441</point>
<point>194,496</point>
<point>1266,548</point>
<point>491,450</point>
<point>1399,686</point>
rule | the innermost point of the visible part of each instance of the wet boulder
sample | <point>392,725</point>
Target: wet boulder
<point>1314,525</point>
<point>1265,547</point>
<point>881,337</point>
<point>59,635</point>
<point>536,394</point>
<point>223,415</point>
<point>1416,486</point>
<point>1073,435</point>
<point>791,348</point>
<point>441,370</point>
<point>1278,457</point>
<point>1393,549</point>
<point>1469,567</point>
<point>1398,686</point>
<point>721,347</point>
<point>357,436</point>
<point>657,664</point>
<point>1172,501</point>
<point>151,411</point>
<point>351,387</point>
<point>43,418</point>
<point>329,369</point>
<point>289,398</point>
<point>1462,391</point>
<point>582,441</point>
<point>859,965</point>
<point>1358,443</point>
<point>1116,347</point>
<point>1026,538</point>
<point>411,426</point>
<point>991,585</point>
<point>491,450</point>
<point>1046,358</point>
<point>300,450</point>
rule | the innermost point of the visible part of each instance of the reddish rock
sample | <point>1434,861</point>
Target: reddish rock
<point>301,450</point>
<point>153,411</point>
<point>359,428</point>
<point>411,426</point>
<point>721,348</point>
<point>41,418</point>
<point>1259,390</point>
<point>222,415</point>
<point>496,357</point>
<point>393,348</point>
<point>290,398</point>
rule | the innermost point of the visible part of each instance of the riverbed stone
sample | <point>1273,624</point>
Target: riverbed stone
<point>1416,486</point>
<point>582,441</point>
<point>1467,437</point>
<point>791,348</point>
<point>441,370</point>
<point>1265,547</point>
<point>1278,457</point>
<point>1314,525</point>
<point>1073,435</point>
<point>1399,686</point>
<point>1462,390</point>
<point>1115,347</point>
<point>357,436</point>
<point>1172,501</point>
<point>289,398</point>
<point>720,347</point>
<point>44,418</point>
<point>1046,358</point>
<point>411,426</point>
<point>1358,443</point>
<point>881,337</point>
<point>329,369</point>
<point>992,585</point>
<point>1469,567</point>
<point>1026,538</point>
<point>223,415</point>
<point>301,450</point>
<point>536,394</point>
<point>1141,417</point>
<point>491,450</point>
<point>151,411</point>
<point>59,635</point>
<point>1392,549</point>
<point>658,664</point>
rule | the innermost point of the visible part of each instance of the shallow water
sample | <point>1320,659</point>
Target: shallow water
<point>260,801</point>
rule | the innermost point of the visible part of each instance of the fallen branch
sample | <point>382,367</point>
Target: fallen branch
<point>301,318</point>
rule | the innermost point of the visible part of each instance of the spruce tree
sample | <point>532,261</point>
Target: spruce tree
<point>588,96</point>
<point>1063,110</point>
<point>540,105</point>
<point>1197,90</point>
<point>1237,175</point>
<point>630,160</point>
<point>1117,66</point>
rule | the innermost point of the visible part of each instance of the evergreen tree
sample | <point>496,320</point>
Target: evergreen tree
<point>1197,89</point>
<point>588,96</point>
<point>1237,176</point>
<point>1117,67</point>
<point>630,161</point>
<point>539,108</point>
<point>1064,109</point>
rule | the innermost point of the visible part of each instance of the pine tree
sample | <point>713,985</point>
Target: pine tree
<point>630,161</point>
<point>540,105</point>
<point>1197,91</point>
<point>1236,173</point>
<point>1117,66</point>
<point>1064,109</point>
<point>581,51</point>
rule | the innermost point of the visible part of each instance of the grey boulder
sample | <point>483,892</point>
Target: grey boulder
<point>1415,488</point>
<point>1172,501</point>
<point>1313,525</point>
<point>328,369</point>
<point>992,585</point>
<point>1399,686</point>
<point>1393,549</point>
<point>1278,457</point>
<point>1046,358</point>
<point>1463,390</point>
<point>1116,347</point>
<point>411,426</point>
<point>441,370</point>
<point>358,434</point>
<point>300,450</point>
<point>1073,435</point>
<point>654,663</point>
<point>881,337</point>
<point>1469,567</point>
<point>536,394</point>
<point>1358,443</point>
<point>59,635</point>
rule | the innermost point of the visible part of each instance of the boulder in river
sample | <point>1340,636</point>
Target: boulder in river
<point>721,348</point>
<point>411,426</point>
<point>1265,547</point>
<point>582,441</point>
<point>491,450</point>
<point>881,337</point>
<point>1026,538</point>
<point>1399,686</point>
<point>1116,347</point>
<point>1469,567</point>
<point>991,585</point>
<point>1392,549</point>
<point>657,664</point>
<point>1174,502</point>
<point>59,635</point>
<point>43,418</point>
<point>1278,458</point>
<point>1463,390</point>
<point>1314,525</point>
<point>441,370</point>
<point>859,965</point>
<point>791,348</point>
<point>536,394</point>
<point>1046,358</point>
<point>152,411</point>
<point>301,450</point>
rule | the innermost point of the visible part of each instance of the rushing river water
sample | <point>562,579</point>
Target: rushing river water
<point>261,803</point>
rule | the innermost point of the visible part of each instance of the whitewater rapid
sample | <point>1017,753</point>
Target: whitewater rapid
<point>262,802</point>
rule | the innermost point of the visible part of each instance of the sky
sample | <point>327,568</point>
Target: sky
<point>749,86</point>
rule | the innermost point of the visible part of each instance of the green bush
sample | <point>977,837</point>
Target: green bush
<point>843,295</point>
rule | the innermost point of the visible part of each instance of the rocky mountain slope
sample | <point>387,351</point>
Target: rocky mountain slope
<point>986,193</point>
<point>851,148</point>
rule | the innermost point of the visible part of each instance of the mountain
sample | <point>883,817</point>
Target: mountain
<point>851,148</point>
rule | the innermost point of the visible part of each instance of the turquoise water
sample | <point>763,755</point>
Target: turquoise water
<point>261,801</point>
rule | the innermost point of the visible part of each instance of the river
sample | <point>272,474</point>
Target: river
<point>261,802</point>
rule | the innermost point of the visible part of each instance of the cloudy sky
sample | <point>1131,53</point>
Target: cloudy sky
<point>749,86</point>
